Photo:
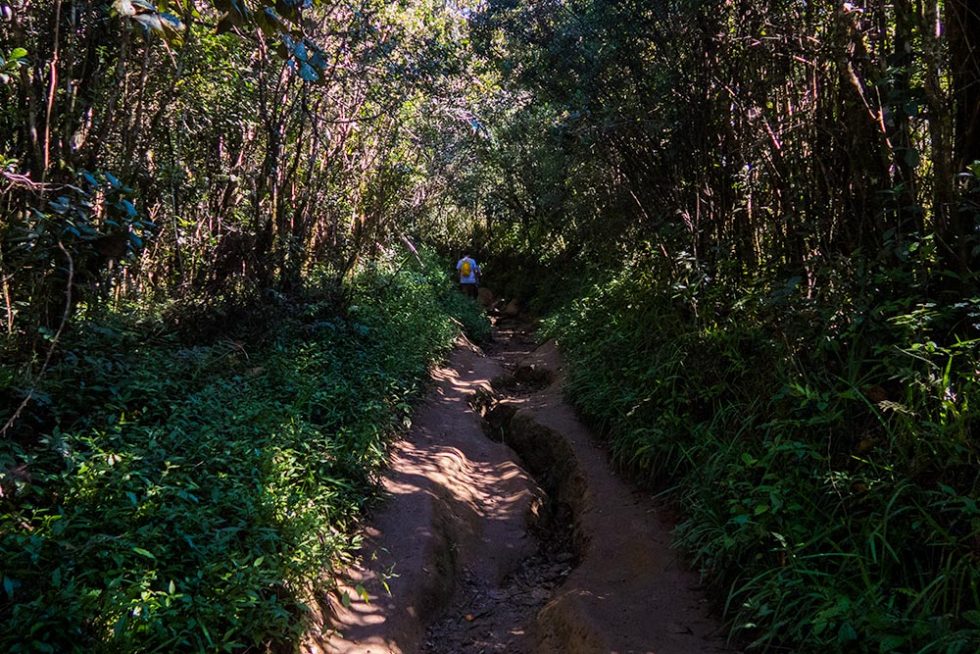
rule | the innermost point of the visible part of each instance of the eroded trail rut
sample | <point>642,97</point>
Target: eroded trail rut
<point>505,530</point>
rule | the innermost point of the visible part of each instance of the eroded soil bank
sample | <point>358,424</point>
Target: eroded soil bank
<point>505,530</point>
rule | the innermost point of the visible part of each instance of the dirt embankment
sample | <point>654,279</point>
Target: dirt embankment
<point>525,541</point>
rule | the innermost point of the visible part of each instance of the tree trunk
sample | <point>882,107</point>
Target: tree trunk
<point>963,29</point>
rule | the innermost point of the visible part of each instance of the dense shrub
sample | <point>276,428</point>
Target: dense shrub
<point>823,451</point>
<point>163,496</point>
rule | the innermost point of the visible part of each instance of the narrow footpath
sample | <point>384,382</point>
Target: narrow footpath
<point>504,529</point>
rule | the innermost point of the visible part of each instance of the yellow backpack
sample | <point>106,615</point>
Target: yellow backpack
<point>466,269</point>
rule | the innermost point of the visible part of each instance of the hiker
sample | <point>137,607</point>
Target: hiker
<point>469,276</point>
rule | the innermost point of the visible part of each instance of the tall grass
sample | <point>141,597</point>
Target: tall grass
<point>823,451</point>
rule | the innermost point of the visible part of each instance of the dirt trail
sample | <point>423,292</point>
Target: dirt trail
<point>479,558</point>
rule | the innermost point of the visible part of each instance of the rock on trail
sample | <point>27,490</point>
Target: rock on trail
<point>527,542</point>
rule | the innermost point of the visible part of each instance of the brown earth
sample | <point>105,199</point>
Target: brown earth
<point>469,554</point>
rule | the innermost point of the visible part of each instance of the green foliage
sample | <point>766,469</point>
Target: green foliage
<point>824,453</point>
<point>60,248</point>
<point>164,496</point>
<point>263,139</point>
<point>776,245</point>
<point>10,63</point>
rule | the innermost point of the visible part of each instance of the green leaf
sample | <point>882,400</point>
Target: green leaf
<point>846,634</point>
<point>143,552</point>
<point>9,586</point>
<point>891,643</point>
<point>17,53</point>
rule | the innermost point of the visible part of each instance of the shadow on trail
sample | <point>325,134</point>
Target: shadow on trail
<point>486,560</point>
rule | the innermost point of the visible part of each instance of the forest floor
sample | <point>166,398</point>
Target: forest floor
<point>504,529</point>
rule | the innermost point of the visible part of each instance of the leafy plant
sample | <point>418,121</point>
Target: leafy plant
<point>828,482</point>
<point>191,496</point>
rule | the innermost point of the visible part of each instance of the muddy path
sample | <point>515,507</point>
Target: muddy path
<point>504,529</point>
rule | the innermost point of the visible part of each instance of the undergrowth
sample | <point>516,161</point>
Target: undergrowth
<point>162,496</point>
<point>823,448</point>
